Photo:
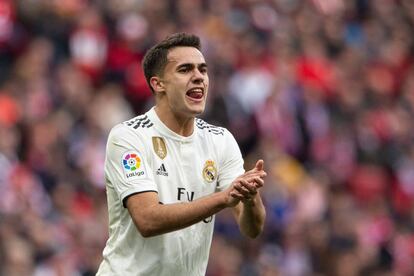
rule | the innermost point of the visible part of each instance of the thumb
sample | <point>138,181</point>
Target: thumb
<point>259,165</point>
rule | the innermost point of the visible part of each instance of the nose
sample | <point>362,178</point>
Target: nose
<point>198,77</point>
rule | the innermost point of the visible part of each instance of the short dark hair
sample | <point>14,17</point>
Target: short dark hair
<point>155,59</point>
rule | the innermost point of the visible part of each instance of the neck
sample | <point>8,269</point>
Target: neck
<point>182,125</point>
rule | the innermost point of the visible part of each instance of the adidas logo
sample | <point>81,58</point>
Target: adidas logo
<point>162,171</point>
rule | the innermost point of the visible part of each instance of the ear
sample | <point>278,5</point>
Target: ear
<point>157,84</point>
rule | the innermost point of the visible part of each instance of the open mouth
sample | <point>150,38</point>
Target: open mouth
<point>195,93</point>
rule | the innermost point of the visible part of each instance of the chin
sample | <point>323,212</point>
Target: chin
<point>197,110</point>
<point>200,110</point>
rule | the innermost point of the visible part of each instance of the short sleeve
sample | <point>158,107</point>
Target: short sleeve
<point>231,164</point>
<point>127,165</point>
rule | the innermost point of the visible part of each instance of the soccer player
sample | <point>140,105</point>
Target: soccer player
<point>168,172</point>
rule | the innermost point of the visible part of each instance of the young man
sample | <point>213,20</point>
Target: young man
<point>168,173</point>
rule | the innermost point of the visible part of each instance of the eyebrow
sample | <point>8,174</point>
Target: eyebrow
<point>191,65</point>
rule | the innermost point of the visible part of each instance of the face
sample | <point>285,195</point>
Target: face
<point>185,82</point>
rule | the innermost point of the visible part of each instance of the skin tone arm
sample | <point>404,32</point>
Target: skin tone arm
<point>250,213</point>
<point>152,218</point>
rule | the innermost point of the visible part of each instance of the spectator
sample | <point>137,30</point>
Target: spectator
<point>323,89</point>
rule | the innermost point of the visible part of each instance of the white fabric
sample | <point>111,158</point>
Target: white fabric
<point>183,252</point>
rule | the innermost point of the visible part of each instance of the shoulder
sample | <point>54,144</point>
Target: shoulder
<point>135,127</point>
<point>207,128</point>
<point>220,137</point>
<point>141,121</point>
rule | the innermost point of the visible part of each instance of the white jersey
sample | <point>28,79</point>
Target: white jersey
<point>144,155</point>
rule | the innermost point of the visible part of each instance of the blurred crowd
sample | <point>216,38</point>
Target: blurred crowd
<point>322,90</point>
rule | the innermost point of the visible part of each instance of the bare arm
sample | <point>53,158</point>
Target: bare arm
<point>250,213</point>
<point>250,216</point>
<point>152,218</point>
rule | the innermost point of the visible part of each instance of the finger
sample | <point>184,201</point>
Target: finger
<point>258,168</point>
<point>236,195</point>
<point>250,186</point>
<point>258,182</point>
<point>259,165</point>
<point>252,177</point>
<point>242,190</point>
<point>251,174</point>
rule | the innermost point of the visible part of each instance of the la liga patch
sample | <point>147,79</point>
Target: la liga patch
<point>133,165</point>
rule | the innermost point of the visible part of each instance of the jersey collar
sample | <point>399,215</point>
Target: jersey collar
<point>165,131</point>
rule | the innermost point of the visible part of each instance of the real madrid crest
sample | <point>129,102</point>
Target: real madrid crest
<point>160,149</point>
<point>209,171</point>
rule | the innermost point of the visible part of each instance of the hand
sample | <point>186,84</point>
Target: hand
<point>245,187</point>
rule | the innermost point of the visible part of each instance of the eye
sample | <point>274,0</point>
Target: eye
<point>203,70</point>
<point>184,69</point>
